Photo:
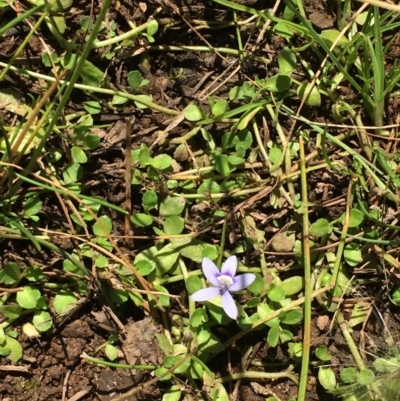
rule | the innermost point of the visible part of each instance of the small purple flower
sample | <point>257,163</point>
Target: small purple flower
<point>223,282</point>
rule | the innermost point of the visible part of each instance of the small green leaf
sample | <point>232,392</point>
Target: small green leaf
<point>103,227</point>
<point>72,173</point>
<point>63,301</point>
<point>356,218</point>
<point>152,28</point>
<point>193,113</point>
<point>278,83</point>
<point>149,200</point>
<point>12,349</point>
<point>161,161</point>
<point>366,377</point>
<point>273,336</point>
<point>101,261</point>
<point>313,98</point>
<point>257,285</point>
<point>293,316</point>
<point>320,228</point>
<point>91,75</point>
<point>220,107</point>
<point>287,61</point>
<point>322,353</point>
<point>78,155</point>
<point>193,284</point>
<point>91,141</point>
<point>292,285</point>
<point>42,321</point>
<point>33,273</point>
<point>92,107</point>
<point>352,254</point>
<point>276,294</point>
<point>134,79</point>
<point>172,394</point>
<point>172,206</point>
<point>145,267</point>
<point>146,98</point>
<point>111,352</point>
<point>28,298</point>
<point>174,225</point>
<point>10,273</point>
<point>327,378</point>
<point>348,375</point>
<point>222,165</point>
<point>141,220</point>
<point>198,318</point>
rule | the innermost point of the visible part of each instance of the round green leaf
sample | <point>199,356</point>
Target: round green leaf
<point>292,285</point>
<point>327,378</point>
<point>286,61</point>
<point>322,353</point>
<point>161,161</point>
<point>101,261</point>
<point>145,267</point>
<point>222,165</point>
<point>352,254</point>
<point>220,107</point>
<point>313,98</point>
<point>273,336</point>
<point>276,294</point>
<point>348,375</point>
<point>111,352</point>
<point>278,83</point>
<point>149,200</point>
<point>28,298</point>
<point>146,98</point>
<point>356,218</point>
<point>366,377</point>
<point>42,321</point>
<point>257,285</point>
<point>10,273</point>
<point>102,227</point>
<point>92,107</point>
<point>173,225</point>
<point>193,113</point>
<point>32,206</point>
<point>193,284</point>
<point>12,349</point>
<point>141,219</point>
<point>320,228</point>
<point>78,155</point>
<point>134,79</point>
<point>63,301</point>
<point>172,206</point>
<point>292,317</point>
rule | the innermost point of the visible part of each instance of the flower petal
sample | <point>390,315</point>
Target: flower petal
<point>205,294</point>
<point>229,305</point>
<point>229,266</point>
<point>211,271</point>
<point>242,281</point>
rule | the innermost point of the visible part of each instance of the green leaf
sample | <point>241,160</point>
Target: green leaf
<point>145,267</point>
<point>10,273</point>
<point>172,206</point>
<point>63,301</point>
<point>220,107</point>
<point>92,107</point>
<point>78,155</point>
<point>320,228</point>
<point>292,317</point>
<point>33,273</point>
<point>276,294</point>
<point>152,28</point>
<point>292,285</point>
<point>12,349</point>
<point>193,113</point>
<point>149,200</point>
<point>11,312</point>
<point>287,61</point>
<point>172,394</point>
<point>322,353</point>
<point>28,298</point>
<point>330,36</point>
<point>164,258</point>
<point>141,220</point>
<point>164,344</point>
<point>101,261</point>
<point>91,75</point>
<point>222,165</point>
<point>348,375</point>
<point>42,321</point>
<point>111,352</point>
<point>257,285</point>
<point>313,98</point>
<point>139,105</point>
<point>193,284</point>
<point>103,227</point>
<point>327,378</point>
<point>161,161</point>
<point>278,83</point>
<point>273,336</point>
<point>134,79</point>
<point>173,225</point>
<point>72,173</point>
<point>91,141</point>
<point>352,254</point>
<point>355,219</point>
<point>366,377</point>
<point>198,318</point>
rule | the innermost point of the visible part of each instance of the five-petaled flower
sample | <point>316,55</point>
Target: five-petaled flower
<point>223,282</point>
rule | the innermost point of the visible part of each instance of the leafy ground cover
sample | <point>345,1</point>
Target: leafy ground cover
<point>145,146</point>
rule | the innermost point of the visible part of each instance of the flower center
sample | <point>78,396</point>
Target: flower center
<point>224,282</point>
